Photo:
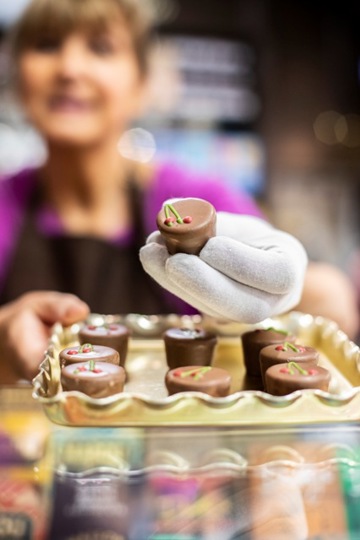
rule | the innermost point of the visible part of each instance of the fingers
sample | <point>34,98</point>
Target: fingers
<point>23,342</point>
<point>206,288</point>
<point>253,253</point>
<point>155,237</point>
<point>29,339</point>
<point>154,258</point>
<point>267,270</point>
<point>209,290</point>
<point>25,327</point>
<point>53,307</point>
<point>227,298</point>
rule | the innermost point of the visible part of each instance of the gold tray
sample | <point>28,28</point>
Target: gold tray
<point>145,401</point>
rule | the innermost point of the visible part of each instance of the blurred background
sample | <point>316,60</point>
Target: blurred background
<point>264,93</point>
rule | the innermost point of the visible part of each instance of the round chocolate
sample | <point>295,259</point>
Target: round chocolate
<point>282,379</point>
<point>212,381</point>
<point>286,352</point>
<point>186,347</point>
<point>255,340</point>
<point>198,224</point>
<point>99,380</point>
<point>86,352</point>
<point>111,335</point>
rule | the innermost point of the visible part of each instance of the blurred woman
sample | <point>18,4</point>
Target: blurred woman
<point>76,224</point>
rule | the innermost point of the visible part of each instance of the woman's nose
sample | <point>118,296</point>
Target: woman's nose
<point>71,61</point>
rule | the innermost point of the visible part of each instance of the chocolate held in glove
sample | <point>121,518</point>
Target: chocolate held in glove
<point>186,225</point>
<point>248,272</point>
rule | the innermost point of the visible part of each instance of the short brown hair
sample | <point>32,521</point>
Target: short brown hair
<point>60,17</point>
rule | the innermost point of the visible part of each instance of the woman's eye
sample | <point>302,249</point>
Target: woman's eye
<point>47,45</point>
<point>101,46</point>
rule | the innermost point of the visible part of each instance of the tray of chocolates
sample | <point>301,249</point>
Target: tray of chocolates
<point>137,370</point>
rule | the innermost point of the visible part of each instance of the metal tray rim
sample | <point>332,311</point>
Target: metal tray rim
<point>264,397</point>
<point>237,402</point>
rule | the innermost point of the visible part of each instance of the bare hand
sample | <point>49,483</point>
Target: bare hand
<point>25,327</point>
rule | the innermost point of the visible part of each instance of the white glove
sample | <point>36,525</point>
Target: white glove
<point>249,271</point>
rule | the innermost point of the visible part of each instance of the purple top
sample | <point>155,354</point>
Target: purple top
<point>169,181</point>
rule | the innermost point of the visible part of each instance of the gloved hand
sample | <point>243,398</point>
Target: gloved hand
<point>249,271</point>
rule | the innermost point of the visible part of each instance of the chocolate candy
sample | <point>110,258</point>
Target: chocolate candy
<point>282,379</point>
<point>255,340</point>
<point>186,225</point>
<point>286,352</point>
<point>95,379</point>
<point>212,381</point>
<point>87,352</point>
<point>186,347</point>
<point>111,335</point>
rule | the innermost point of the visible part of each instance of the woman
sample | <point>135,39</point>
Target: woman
<point>76,224</point>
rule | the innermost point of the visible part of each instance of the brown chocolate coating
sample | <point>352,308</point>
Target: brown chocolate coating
<point>109,381</point>
<point>255,340</point>
<point>269,356</point>
<point>213,381</point>
<point>188,237</point>
<point>112,335</point>
<point>280,383</point>
<point>99,353</point>
<point>185,347</point>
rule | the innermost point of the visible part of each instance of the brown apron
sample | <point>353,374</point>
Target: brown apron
<point>108,277</point>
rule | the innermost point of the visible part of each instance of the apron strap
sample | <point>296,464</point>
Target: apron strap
<point>107,276</point>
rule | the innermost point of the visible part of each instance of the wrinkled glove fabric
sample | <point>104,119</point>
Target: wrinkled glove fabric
<point>249,271</point>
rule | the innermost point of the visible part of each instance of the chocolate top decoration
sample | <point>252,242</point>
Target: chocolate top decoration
<point>287,346</point>
<point>277,330</point>
<point>169,220</point>
<point>82,349</point>
<point>87,352</point>
<point>196,373</point>
<point>103,329</point>
<point>83,368</point>
<point>295,369</point>
<point>186,333</point>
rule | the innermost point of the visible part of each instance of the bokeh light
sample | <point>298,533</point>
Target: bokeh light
<point>331,127</point>
<point>324,127</point>
<point>138,145</point>
<point>19,148</point>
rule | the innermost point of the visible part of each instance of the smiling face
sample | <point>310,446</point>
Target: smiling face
<point>83,86</point>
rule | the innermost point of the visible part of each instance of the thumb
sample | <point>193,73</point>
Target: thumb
<point>52,307</point>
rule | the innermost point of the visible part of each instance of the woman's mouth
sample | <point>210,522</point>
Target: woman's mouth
<point>68,104</point>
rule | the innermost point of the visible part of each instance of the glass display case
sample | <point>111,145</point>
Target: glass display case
<point>298,482</point>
